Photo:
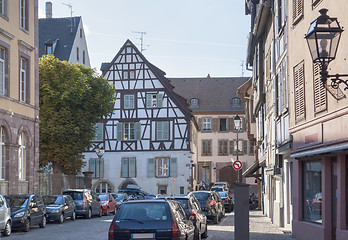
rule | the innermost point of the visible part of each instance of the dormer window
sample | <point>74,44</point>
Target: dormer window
<point>49,49</point>
<point>194,103</point>
<point>236,102</point>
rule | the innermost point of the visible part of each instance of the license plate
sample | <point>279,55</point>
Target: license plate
<point>143,235</point>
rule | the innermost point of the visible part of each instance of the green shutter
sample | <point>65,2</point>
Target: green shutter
<point>98,132</point>
<point>245,147</point>
<point>92,166</point>
<point>165,130</point>
<point>137,131</point>
<point>151,167</point>
<point>160,100</point>
<point>119,131</point>
<point>148,100</point>
<point>173,167</point>
<point>124,170</point>
<point>132,170</point>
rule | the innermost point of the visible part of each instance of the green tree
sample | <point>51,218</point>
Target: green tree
<point>73,98</point>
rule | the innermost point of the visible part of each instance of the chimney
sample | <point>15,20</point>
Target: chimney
<point>48,10</point>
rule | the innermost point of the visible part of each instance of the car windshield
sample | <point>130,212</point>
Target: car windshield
<point>75,195</point>
<point>223,194</point>
<point>53,200</point>
<point>201,196</point>
<point>17,202</point>
<point>103,197</point>
<point>144,212</point>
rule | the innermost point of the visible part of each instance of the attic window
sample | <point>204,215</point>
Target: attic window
<point>128,50</point>
<point>80,32</point>
<point>49,49</point>
<point>235,102</point>
<point>194,103</point>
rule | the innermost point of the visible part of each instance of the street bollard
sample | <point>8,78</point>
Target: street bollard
<point>241,211</point>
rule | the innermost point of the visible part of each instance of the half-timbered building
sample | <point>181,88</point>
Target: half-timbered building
<point>146,140</point>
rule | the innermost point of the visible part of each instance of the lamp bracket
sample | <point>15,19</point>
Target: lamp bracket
<point>336,80</point>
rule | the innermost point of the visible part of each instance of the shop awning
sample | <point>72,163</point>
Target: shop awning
<point>322,150</point>
<point>250,172</point>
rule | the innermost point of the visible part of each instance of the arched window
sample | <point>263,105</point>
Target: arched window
<point>104,187</point>
<point>2,154</point>
<point>22,156</point>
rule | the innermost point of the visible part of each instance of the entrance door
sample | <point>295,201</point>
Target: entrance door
<point>334,197</point>
<point>228,174</point>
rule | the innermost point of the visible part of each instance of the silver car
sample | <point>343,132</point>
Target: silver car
<point>5,217</point>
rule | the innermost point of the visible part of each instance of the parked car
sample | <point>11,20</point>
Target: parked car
<point>224,185</point>
<point>211,204</point>
<point>86,201</point>
<point>192,208</point>
<point>151,219</point>
<point>227,200</point>
<point>59,207</point>
<point>26,210</point>
<point>120,198</point>
<point>217,189</point>
<point>134,193</point>
<point>108,203</point>
<point>5,217</point>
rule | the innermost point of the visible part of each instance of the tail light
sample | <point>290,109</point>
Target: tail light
<point>175,230</point>
<point>111,231</point>
<point>227,199</point>
<point>212,203</point>
<point>193,214</point>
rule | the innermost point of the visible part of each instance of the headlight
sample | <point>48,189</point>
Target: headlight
<point>55,210</point>
<point>19,215</point>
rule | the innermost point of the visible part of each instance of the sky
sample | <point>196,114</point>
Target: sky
<point>184,38</point>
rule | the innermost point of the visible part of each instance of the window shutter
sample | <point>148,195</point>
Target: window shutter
<point>232,148</point>
<point>102,167</point>
<point>137,131</point>
<point>165,130</point>
<point>119,131</point>
<point>132,169</point>
<point>159,100</point>
<point>319,90</point>
<point>92,166</point>
<point>231,124</point>
<point>151,167</point>
<point>97,165</point>
<point>173,167</point>
<point>299,91</point>
<point>200,123</point>
<point>124,168</point>
<point>214,124</point>
<point>98,132</point>
<point>297,10</point>
<point>148,100</point>
<point>128,101</point>
<point>245,147</point>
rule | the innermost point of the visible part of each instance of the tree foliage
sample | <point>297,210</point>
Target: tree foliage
<point>73,98</point>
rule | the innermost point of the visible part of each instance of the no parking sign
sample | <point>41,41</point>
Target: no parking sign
<point>237,165</point>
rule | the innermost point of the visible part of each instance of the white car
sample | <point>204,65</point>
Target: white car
<point>5,217</point>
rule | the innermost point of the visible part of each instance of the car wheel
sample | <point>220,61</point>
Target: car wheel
<point>89,214</point>
<point>205,234</point>
<point>43,222</point>
<point>197,235</point>
<point>8,229</point>
<point>61,218</point>
<point>216,219</point>
<point>73,216</point>
<point>26,225</point>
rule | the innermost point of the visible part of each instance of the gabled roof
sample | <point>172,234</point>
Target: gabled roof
<point>214,93</point>
<point>62,30</point>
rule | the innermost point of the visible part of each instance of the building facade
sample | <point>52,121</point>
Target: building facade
<point>19,97</point>
<point>147,138</point>
<point>318,124</point>
<point>214,104</point>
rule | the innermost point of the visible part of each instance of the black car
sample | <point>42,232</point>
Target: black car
<point>86,201</point>
<point>151,219</point>
<point>26,210</point>
<point>137,194</point>
<point>59,207</point>
<point>211,204</point>
<point>192,208</point>
<point>120,198</point>
<point>227,200</point>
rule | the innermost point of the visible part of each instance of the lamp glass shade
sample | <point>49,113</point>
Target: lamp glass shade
<point>237,122</point>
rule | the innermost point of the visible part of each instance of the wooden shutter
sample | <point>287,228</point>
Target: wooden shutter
<point>119,131</point>
<point>320,96</point>
<point>132,167</point>
<point>159,100</point>
<point>165,130</point>
<point>92,166</point>
<point>232,152</point>
<point>124,168</point>
<point>149,100</point>
<point>245,147</point>
<point>299,81</point>
<point>215,124</point>
<point>173,171</point>
<point>151,167</point>
<point>200,123</point>
<point>297,10</point>
<point>231,125</point>
<point>98,132</point>
<point>137,127</point>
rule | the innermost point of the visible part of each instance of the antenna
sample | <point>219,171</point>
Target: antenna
<point>141,40</point>
<point>71,12</point>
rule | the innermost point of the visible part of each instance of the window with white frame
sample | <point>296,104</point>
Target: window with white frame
<point>129,131</point>
<point>206,124</point>
<point>154,100</point>
<point>162,131</point>
<point>23,80</point>
<point>128,101</point>
<point>23,11</point>
<point>104,187</point>
<point>2,70</point>
<point>162,167</point>
<point>2,153</point>
<point>194,103</point>
<point>22,156</point>
<point>128,168</point>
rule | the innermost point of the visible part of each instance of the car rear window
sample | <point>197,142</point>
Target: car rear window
<point>103,197</point>
<point>75,195</point>
<point>183,202</point>
<point>152,211</point>
<point>201,196</point>
<point>223,194</point>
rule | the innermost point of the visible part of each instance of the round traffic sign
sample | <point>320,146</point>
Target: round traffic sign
<point>237,165</point>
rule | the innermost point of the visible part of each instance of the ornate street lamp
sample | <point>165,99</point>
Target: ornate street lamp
<point>237,124</point>
<point>323,37</point>
<point>100,152</point>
